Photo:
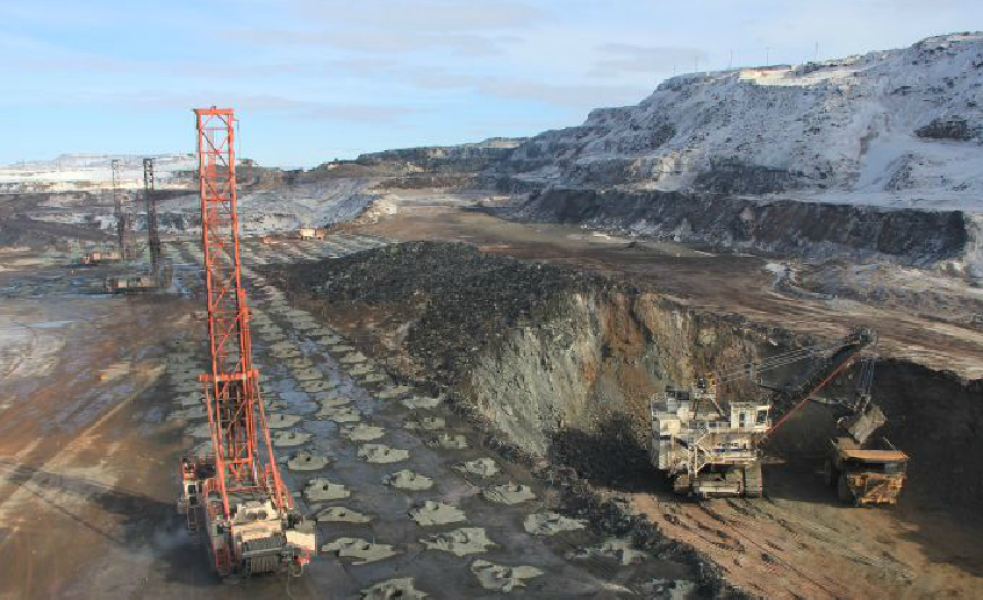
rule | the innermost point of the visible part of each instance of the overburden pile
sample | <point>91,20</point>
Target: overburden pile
<point>466,300</point>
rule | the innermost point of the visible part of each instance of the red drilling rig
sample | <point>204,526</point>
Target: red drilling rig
<point>234,494</point>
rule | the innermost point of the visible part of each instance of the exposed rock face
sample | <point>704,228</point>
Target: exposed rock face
<point>953,128</point>
<point>425,167</point>
<point>839,125</point>
<point>905,236</point>
<point>464,157</point>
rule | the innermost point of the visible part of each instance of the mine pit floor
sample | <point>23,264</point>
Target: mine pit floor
<point>87,478</point>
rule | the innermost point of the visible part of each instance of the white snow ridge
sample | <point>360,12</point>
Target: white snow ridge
<point>896,128</point>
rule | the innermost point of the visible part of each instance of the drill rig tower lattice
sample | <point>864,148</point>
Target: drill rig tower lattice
<point>153,232</point>
<point>235,493</point>
<point>120,214</point>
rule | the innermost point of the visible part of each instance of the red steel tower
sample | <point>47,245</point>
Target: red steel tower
<point>236,490</point>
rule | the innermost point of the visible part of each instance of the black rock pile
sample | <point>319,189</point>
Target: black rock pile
<point>466,300</point>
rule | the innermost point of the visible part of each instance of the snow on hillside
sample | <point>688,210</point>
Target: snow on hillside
<point>892,128</point>
<point>74,172</point>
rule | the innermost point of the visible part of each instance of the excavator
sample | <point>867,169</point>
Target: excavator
<point>707,449</point>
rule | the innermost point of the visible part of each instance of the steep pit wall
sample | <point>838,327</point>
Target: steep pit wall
<point>562,364</point>
<point>784,227</point>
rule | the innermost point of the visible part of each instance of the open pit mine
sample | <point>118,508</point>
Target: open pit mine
<point>727,343</point>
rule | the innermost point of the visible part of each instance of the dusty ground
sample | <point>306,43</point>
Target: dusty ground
<point>799,542</point>
<point>82,449</point>
<point>87,458</point>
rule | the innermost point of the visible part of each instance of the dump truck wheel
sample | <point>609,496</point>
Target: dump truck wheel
<point>843,489</point>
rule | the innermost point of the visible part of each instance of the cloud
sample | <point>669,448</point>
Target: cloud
<point>575,96</point>
<point>366,114</point>
<point>375,41</point>
<point>435,16</point>
<point>622,59</point>
<point>464,27</point>
<point>376,114</point>
<point>561,95</point>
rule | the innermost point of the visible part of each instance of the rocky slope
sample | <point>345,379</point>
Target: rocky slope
<point>950,240</point>
<point>93,172</point>
<point>426,167</point>
<point>899,127</point>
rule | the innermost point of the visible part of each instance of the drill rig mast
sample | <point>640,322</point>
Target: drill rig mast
<point>153,234</point>
<point>120,214</point>
<point>235,493</point>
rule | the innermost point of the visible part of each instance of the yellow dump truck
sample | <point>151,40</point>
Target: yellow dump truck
<point>865,477</point>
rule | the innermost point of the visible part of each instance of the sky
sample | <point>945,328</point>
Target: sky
<point>315,80</point>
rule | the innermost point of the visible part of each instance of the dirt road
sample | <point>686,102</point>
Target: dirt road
<point>84,461</point>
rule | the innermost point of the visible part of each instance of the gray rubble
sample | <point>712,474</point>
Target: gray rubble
<point>460,542</point>
<point>501,578</point>
<point>305,461</point>
<point>289,439</point>
<point>341,514</point>
<point>322,489</point>
<point>436,513</point>
<point>393,589</point>
<point>551,523</point>
<point>362,551</point>
<point>381,454</point>
<point>509,493</point>
<point>482,467</point>
<point>408,480</point>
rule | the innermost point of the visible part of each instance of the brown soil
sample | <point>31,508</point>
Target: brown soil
<point>801,543</point>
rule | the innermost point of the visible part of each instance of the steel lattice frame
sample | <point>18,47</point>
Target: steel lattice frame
<point>153,233</point>
<point>118,209</point>
<point>235,410</point>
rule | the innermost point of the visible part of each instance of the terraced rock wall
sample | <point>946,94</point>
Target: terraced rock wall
<point>813,230</point>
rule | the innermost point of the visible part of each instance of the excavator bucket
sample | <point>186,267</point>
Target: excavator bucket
<point>864,423</point>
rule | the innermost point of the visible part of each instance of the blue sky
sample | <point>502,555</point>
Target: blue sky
<point>314,80</point>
